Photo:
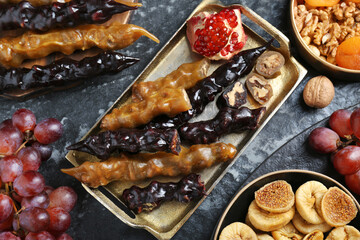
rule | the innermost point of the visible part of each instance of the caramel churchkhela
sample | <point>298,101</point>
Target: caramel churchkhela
<point>133,167</point>
<point>31,45</point>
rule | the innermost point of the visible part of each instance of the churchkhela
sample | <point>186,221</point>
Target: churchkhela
<point>59,15</point>
<point>148,198</point>
<point>33,2</point>
<point>186,76</point>
<point>228,120</point>
<point>206,90</point>
<point>31,45</point>
<point>63,71</point>
<point>169,101</point>
<point>134,167</point>
<point>129,140</point>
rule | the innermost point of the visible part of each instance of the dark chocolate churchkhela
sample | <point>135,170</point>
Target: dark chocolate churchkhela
<point>228,120</point>
<point>146,199</point>
<point>234,96</point>
<point>129,140</point>
<point>59,15</point>
<point>206,90</point>
<point>64,70</point>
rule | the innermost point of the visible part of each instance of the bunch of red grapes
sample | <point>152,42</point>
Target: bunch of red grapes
<point>343,142</point>
<point>29,209</point>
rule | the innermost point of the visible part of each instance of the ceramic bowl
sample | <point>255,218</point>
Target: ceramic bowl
<point>330,70</point>
<point>238,207</point>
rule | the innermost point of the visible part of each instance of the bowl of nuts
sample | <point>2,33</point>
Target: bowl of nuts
<point>327,34</point>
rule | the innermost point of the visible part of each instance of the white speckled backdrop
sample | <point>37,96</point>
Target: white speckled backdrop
<point>79,108</point>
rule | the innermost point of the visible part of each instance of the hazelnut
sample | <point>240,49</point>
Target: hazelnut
<point>319,92</point>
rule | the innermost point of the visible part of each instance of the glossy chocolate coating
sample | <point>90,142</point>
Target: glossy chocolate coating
<point>129,140</point>
<point>58,15</point>
<point>206,90</point>
<point>148,198</point>
<point>63,71</point>
<point>234,96</point>
<point>228,120</point>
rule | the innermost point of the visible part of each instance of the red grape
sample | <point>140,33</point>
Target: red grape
<point>64,236</point>
<point>59,220</point>
<point>6,207</point>
<point>10,140</point>
<point>40,200</point>
<point>347,160</point>
<point>29,184</point>
<point>355,122</point>
<point>64,197</point>
<point>6,225</point>
<point>324,140</point>
<point>24,120</point>
<point>340,122</point>
<point>30,157</point>
<point>44,235</point>
<point>16,196</point>
<point>48,189</point>
<point>353,182</point>
<point>34,219</point>
<point>48,131</point>
<point>6,123</point>
<point>10,168</point>
<point>8,236</point>
<point>45,150</point>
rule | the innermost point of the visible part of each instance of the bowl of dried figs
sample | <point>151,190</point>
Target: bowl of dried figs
<point>327,35</point>
<point>291,204</point>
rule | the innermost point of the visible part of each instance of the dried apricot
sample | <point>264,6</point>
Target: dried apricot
<point>322,3</point>
<point>348,54</point>
<point>354,1</point>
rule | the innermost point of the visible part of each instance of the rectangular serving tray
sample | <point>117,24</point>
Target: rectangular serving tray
<point>166,220</point>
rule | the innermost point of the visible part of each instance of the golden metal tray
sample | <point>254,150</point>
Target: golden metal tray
<point>18,94</point>
<point>166,220</point>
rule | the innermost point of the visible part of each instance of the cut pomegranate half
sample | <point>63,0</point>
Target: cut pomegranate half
<point>216,36</point>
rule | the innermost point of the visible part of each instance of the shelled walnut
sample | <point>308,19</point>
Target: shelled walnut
<point>323,29</point>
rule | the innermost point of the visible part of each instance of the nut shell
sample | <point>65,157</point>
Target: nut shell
<point>319,92</point>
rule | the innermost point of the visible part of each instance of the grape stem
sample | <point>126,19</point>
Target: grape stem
<point>21,147</point>
<point>14,206</point>
<point>7,187</point>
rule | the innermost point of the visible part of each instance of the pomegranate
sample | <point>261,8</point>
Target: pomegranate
<point>218,35</point>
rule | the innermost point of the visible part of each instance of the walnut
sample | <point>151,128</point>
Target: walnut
<point>351,34</point>
<point>324,16</point>
<point>349,11</point>
<point>300,14</point>
<point>325,28</point>
<point>357,29</point>
<point>318,92</point>
<point>344,32</point>
<point>338,12</point>
<point>318,33</point>
<point>335,30</point>
<point>349,22</point>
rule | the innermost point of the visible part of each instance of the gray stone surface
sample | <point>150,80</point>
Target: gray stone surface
<point>80,107</point>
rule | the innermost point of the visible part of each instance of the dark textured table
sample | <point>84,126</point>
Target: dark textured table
<point>80,107</point>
